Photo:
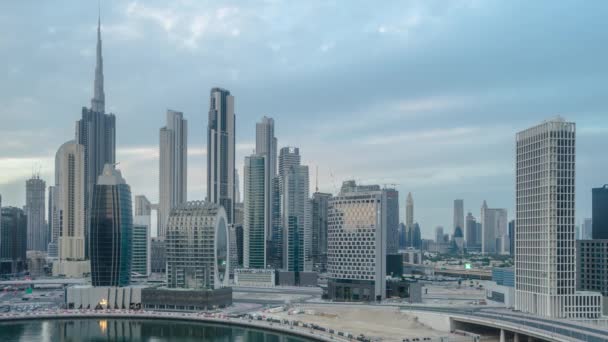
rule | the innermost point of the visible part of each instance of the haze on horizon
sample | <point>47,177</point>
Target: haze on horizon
<point>424,94</point>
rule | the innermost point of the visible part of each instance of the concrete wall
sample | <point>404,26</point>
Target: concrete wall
<point>437,321</point>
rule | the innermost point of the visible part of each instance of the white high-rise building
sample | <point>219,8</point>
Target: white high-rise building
<point>37,239</point>
<point>141,255</point>
<point>494,230</point>
<point>266,144</point>
<point>70,210</point>
<point>220,151</point>
<point>356,243</point>
<point>545,273</point>
<point>173,175</point>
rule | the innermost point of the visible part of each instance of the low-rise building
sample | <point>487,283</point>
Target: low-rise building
<point>254,277</point>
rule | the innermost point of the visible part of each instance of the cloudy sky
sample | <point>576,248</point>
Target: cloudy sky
<point>427,95</point>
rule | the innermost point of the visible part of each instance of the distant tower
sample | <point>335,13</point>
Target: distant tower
<point>495,231</point>
<point>392,220</point>
<point>96,132</point>
<point>458,215</point>
<point>409,210</point>
<point>599,216</point>
<point>173,171</point>
<point>471,231</point>
<point>37,239</point>
<point>220,151</point>
<point>266,145</point>
<point>439,234</point>
<point>111,230</point>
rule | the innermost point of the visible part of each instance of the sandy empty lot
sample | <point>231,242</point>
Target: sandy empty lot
<point>387,324</point>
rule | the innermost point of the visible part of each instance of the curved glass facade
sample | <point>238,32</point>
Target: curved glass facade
<point>111,235</point>
<point>222,249</point>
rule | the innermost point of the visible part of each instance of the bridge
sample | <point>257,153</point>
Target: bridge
<point>515,326</point>
<point>44,281</point>
<point>462,273</point>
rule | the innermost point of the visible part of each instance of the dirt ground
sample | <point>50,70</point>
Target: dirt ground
<point>385,324</point>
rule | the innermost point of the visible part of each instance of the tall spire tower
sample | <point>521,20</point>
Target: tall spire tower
<point>99,97</point>
<point>409,210</point>
<point>96,132</point>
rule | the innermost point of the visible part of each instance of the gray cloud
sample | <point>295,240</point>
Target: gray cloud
<point>427,94</point>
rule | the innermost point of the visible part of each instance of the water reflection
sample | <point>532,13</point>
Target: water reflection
<point>132,330</point>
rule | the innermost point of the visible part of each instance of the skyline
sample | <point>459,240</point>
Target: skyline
<point>476,150</point>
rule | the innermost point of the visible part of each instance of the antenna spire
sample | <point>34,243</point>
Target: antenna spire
<point>99,97</point>
<point>317,179</point>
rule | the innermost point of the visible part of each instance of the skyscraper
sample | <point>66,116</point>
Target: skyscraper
<point>37,239</point>
<point>197,246</point>
<point>599,215</point>
<point>288,157</point>
<point>392,211</point>
<point>173,173</point>
<point>512,237</point>
<point>255,215</point>
<point>111,230</point>
<point>470,235</point>
<point>439,234</point>
<point>70,204</point>
<point>237,189</point>
<point>297,233</point>
<point>266,145</point>
<point>220,150</point>
<point>587,229</point>
<point>140,249</point>
<point>52,219</point>
<point>409,210</point>
<point>141,255</point>
<point>495,238</point>
<point>356,250</point>
<point>13,240</point>
<point>96,132</point>
<point>319,205</point>
<point>544,238</point>
<point>458,215</point>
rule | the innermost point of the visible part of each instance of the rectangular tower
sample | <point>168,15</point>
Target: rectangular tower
<point>254,220</point>
<point>544,228</point>
<point>37,239</point>
<point>319,203</point>
<point>220,150</point>
<point>356,243</point>
<point>458,216</point>
<point>173,164</point>
<point>297,237</point>
<point>599,216</point>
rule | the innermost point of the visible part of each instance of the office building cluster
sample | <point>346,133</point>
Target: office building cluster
<point>278,232</point>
